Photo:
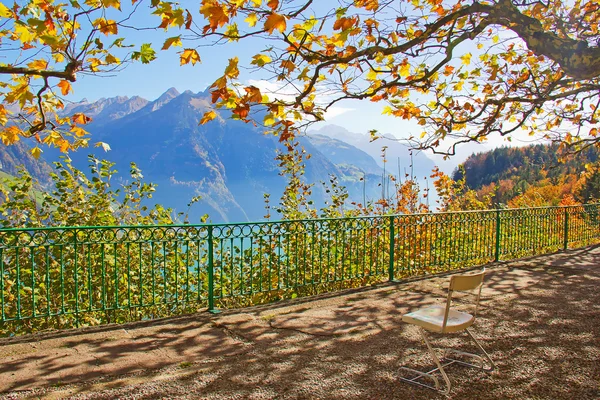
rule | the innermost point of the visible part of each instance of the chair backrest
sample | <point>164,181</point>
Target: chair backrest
<point>463,283</point>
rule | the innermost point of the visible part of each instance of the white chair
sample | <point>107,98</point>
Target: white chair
<point>445,319</point>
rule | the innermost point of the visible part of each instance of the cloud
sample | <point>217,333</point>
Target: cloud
<point>287,92</point>
<point>334,112</point>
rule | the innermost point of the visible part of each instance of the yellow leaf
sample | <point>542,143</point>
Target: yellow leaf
<point>10,135</point>
<point>232,70</point>
<point>189,55</point>
<point>495,39</point>
<point>65,87</point>
<point>251,20</point>
<point>260,60</point>
<point>36,152</point>
<point>112,3</point>
<point>405,70</point>
<point>275,21</point>
<point>371,75</point>
<point>106,26</point>
<point>110,59</point>
<point>38,65</point>
<point>58,57</point>
<point>172,41</point>
<point>78,131</point>
<point>5,12</point>
<point>466,59</point>
<point>207,117</point>
<point>232,32</point>
<point>23,34</point>
<point>269,119</point>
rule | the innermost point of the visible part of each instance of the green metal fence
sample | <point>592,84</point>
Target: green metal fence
<point>74,276</point>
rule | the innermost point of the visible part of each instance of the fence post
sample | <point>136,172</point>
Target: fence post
<point>566,231</point>
<point>211,274</point>
<point>392,249</point>
<point>75,278</point>
<point>497,255</point>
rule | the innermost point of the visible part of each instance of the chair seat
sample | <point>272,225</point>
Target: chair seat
<point>432,318</point>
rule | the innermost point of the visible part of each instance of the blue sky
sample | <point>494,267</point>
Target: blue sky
<point>151,80</point>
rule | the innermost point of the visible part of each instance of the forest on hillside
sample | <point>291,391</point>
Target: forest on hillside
<point>536,175</point>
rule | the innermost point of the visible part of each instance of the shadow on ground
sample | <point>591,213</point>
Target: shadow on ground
<point>539,319</point>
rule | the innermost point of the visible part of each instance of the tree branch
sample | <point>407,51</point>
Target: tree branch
<point>68,73</point>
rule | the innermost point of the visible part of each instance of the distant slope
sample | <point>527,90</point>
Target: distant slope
<point>17,155</point>
<point>527,176</point>
<point>530,163</point>
<point>398,155</point>
<point>229,163</point>
<point>342,153</point>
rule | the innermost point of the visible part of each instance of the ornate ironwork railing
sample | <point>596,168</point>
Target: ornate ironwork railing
<point>72,276</point>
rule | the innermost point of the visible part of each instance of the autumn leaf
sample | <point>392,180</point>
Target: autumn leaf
<point>466,59</point>
<point>253,93</point>
<point>65,87</point>
<point>106,26</point>
<point>36,152</point>
<point>172,41</point>
<point>275,21</point>
<point>189,55</point>
<point>260,60</point>
<point>232,71</point>
<point>251,20</point>
<point>5,12</point>
<point>77,131</point>
<point>10,135</point>
<point>216,14</point>
<point>207,117</point>
<point>105,146</point>
<point>81,119</point>
<point>39,65</point>
<point>269,119</point>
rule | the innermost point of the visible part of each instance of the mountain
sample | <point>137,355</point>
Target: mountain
<point>17,156</point>
<point>399,157</point>
<point>109,109</point>
<point>230,164</point>
<point>342,153</point>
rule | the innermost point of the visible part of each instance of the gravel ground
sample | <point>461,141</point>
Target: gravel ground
<point>539,320</point>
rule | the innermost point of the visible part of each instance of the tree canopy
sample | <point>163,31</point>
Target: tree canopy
<point>461,69</point>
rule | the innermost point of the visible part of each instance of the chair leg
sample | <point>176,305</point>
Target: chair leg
<point>429,374</point>
<point>481,360</point>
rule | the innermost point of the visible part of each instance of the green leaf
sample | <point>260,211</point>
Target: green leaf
<point>145,55</point>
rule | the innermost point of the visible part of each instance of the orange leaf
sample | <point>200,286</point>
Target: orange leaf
<point>288,64</point>
<point>106,26</point>
<point>216,15</point>
<point>208,116</point>
<point>448,70</point>
<point>273,4</point>
<point>254,94</point>
<point>81,119</point>
<point>65,87</point>
<point>242,110</point>
<point>275,21</point>
<point>189,55</point>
